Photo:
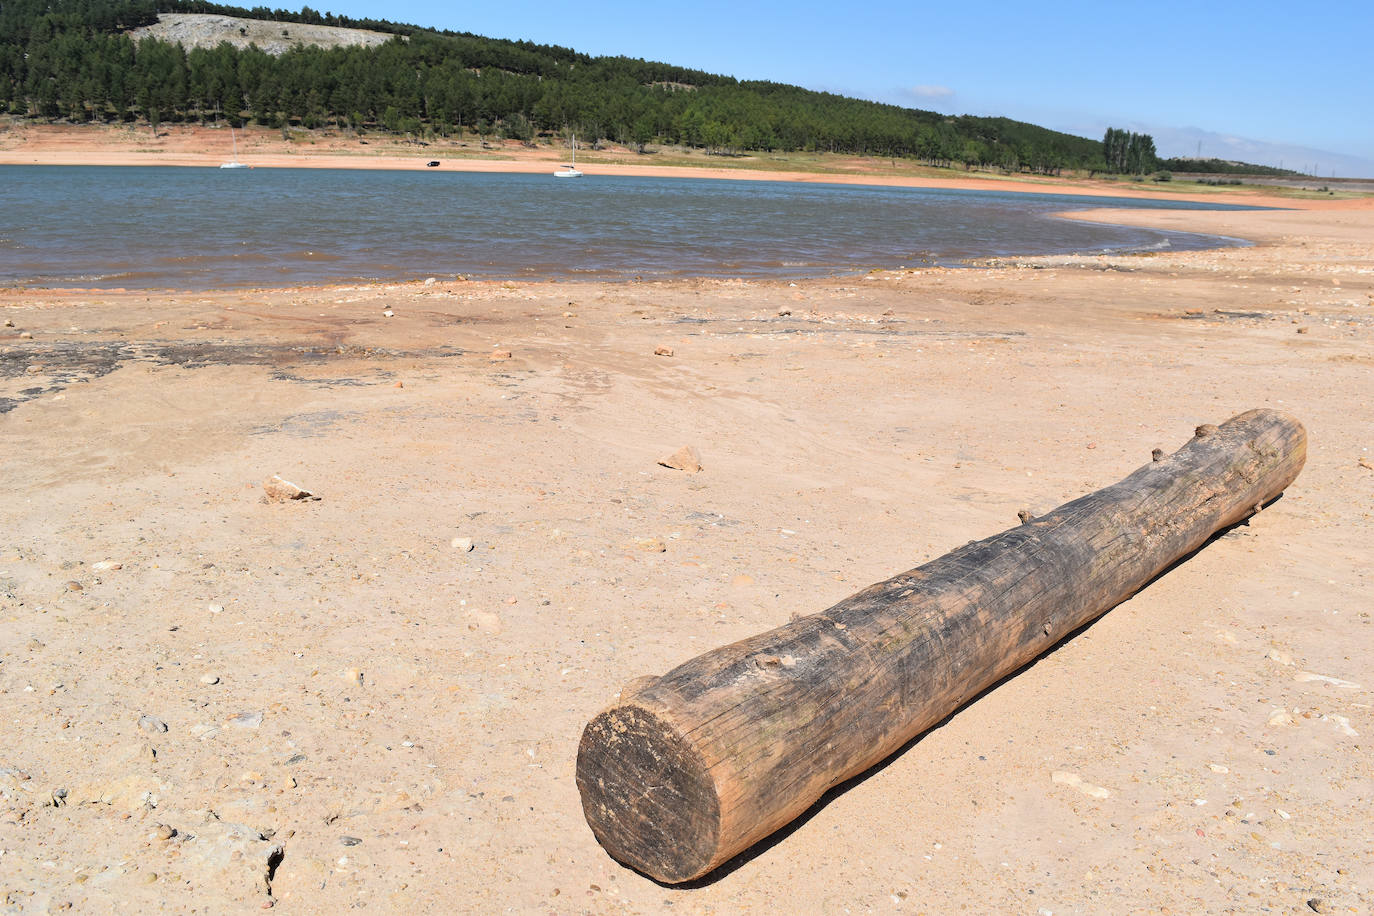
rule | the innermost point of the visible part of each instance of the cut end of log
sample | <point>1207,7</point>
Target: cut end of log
<point>648,795</point>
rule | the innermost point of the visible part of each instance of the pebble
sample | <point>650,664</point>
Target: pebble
<point>9,323</point>
<point>353,676</point>
<point>1280,717</point>
<point>25,335</point>
<point>1217,768</point>
<point>389,313</point>
<point>216,609</point>
<point>74,586</point>
<point>461,544</point>
<point>104,565</point>
<point>152,724</point>
<point>652,545</point>
<point>1073,780</point>
<point>663,351</point>
<point>684,459</point>
<point>164,832</point>
<point>244,720</point>
<point>209,679</point>
<point>275,489</point>
<point>350,841</point>
<point>500,354</point>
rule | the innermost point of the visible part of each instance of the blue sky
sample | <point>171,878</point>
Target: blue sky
<point>1260,81</point>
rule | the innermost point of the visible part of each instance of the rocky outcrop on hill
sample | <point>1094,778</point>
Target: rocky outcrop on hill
<point>200,30</point>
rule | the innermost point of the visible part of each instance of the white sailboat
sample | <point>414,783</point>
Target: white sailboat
<point>571,171</point>
<point>233,163</point>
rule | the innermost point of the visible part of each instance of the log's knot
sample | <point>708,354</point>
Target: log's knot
<point>1025,516</point>
<point>1158,454</point>
<point>1205,430</point>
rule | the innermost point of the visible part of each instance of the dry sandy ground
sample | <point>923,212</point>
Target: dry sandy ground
<point>213,703</point>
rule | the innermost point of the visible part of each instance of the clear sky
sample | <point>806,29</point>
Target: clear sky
<point>1260,81</point>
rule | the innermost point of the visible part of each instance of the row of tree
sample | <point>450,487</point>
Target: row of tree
<point>1129,153</point>
<point>73,60</point>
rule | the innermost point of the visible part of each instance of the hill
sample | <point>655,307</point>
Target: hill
<point>122,61</point>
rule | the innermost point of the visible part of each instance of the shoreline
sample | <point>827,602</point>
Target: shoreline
<point>194,146</point>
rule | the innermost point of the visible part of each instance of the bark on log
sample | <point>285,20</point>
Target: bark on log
<point>688,769</point>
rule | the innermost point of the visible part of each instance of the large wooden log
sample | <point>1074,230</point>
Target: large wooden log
<point>688,769</point>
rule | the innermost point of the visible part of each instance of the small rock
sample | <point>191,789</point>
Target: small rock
<point>485,622</point>
<point>9,323</point>
<point>152,724</point>
<point>500,354</point>
<point>389,314</point>
<point>104,565</point>
<point>275,489</point>
<point>1303,330</point>
<point>653,545</point>
<point>1217,768</point>
<point>215,608</point>
<point>353,676</point>
<point>430,281</point>
<point>742,581</point>
<point>1279,718</point>
<point>684,459</point>
<point>1073,780</point>
<point>1283,658</point>
<point>1317,905</point>
<point>463,545</point>
<point>209,679</point>
<point>244,720</point>
<point>663,351</point>
<point>1364,463</point>
<point>784,312</point>
<point>350,841</point>
<point>164,832</point>
<point>74,586</point>
<point>25,335</point>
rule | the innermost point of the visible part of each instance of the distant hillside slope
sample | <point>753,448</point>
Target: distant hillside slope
<point>178,60</point>
<point>203,30</point>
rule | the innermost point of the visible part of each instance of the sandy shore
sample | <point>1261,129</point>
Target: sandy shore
<point>215,703</point>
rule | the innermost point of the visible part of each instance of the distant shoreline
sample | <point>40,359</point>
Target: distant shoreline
<point>27,143</point>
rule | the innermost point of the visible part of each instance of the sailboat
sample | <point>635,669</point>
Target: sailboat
<point>233,163</point>
<point>571,171</point>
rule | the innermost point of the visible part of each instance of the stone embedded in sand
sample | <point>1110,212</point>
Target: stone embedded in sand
<point>463,545</point>
<point>152,724</point>
<point>1073,780</point>
<point>684,459</point>
<point>663,351</point>
<point>235,859</point>
<point>244,720</point>
<point>278,490</point>
<point>500,354</point>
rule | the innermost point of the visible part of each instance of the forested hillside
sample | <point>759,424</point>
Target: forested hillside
<point>71,60</point>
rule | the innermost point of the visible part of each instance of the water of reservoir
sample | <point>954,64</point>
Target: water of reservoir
<point>193,228</point>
